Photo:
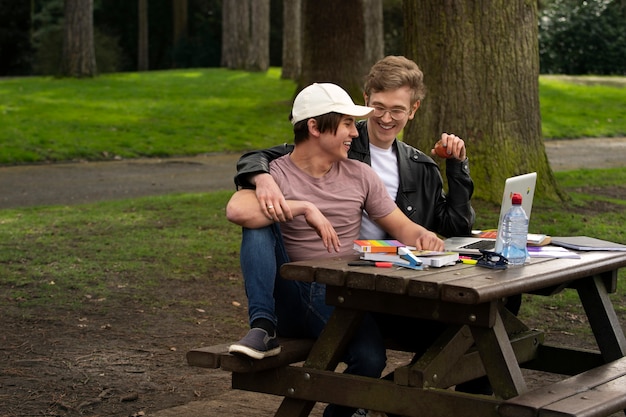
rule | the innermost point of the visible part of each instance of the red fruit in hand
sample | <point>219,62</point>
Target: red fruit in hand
<point>441,151</point>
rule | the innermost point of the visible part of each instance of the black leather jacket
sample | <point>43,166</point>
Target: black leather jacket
<point>420,194</point>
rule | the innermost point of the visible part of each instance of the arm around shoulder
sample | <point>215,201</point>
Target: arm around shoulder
<point>258,162</point>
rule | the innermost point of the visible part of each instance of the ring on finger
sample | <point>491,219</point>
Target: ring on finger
<point>270,207</point>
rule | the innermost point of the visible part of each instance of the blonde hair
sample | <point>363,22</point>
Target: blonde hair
<point>393,72</point>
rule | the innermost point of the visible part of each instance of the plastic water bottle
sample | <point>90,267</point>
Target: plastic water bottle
<point>514,233</point>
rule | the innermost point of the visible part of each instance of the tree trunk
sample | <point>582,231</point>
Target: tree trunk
<point>259,51</point>
<point>374,32</point>
<point>292,39</point>
<point>143,56</point>
<point>335,43</point>
<point>79,57</point>
<point>246,34</point>
<point>233,44</point>
<point>179,18</point>
<point>481,66</point>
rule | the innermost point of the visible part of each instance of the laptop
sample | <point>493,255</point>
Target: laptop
<point>522,184</point>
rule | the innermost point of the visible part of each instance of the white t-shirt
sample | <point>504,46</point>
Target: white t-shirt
<point>385,163</point>
<point>341,195</point>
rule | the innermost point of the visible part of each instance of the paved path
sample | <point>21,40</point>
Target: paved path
<point>75,183</point>
<point>84,182</point>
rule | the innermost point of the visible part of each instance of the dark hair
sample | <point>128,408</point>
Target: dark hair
<point>393,72</point>
<point>328,122</point>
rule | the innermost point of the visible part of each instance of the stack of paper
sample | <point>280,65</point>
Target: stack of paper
<point>551,252</point>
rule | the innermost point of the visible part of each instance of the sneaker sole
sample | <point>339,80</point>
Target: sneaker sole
<point>253,353</point>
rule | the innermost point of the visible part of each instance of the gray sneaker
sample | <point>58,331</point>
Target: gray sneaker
<point>257,344</point>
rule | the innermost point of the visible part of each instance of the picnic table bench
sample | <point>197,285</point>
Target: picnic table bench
<point>600,391</point>
<point>483,338</point>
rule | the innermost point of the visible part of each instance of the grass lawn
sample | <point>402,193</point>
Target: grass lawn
<point>195,111</point>
<point>574,107</point>
<point>150,114</point>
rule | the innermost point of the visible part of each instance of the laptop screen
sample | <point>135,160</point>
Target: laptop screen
<point>522,184</point>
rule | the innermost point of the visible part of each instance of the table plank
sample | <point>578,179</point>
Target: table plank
<point>541,273</point>
<point>429,286</point>
<point>460,283</point>
<point>350,298</point>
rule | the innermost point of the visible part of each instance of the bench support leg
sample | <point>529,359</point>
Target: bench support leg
<point>325,355</point>
<point>601,314</point>
<point>499,360</point>
<point>438,360</point>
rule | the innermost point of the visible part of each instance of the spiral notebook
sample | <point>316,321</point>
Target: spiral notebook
<point>522,184</point>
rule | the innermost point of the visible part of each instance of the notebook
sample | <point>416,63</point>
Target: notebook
<point>522,184</point>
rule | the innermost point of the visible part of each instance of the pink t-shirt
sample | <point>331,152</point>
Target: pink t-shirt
<point>341,195</point>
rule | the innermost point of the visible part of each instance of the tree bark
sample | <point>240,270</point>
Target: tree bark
<point>233,46</point>
<point>142,47</point>
<point>374,32</point>
<point>292,39</point>
<point>79,57</point>
<point>245,34</point>
<point>481,66</point>
<point>335,43</point>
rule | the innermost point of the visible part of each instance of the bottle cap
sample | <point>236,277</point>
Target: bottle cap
<point>516,199</point>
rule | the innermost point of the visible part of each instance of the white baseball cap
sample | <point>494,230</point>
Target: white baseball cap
<point>322,98</point>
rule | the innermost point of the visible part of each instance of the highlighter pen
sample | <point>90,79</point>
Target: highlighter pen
<point>468,260</point>
<point>371,263</point>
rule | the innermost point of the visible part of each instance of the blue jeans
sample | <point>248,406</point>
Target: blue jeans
<point>299,309</point>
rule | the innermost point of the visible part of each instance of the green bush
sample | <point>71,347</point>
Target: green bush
<point>583,37</point>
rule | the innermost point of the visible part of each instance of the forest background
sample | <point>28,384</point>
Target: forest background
<point>575,37</point>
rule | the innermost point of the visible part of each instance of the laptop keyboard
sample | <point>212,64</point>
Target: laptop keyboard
<point>480,244</point>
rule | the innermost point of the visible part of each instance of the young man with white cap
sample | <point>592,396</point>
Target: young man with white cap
<point>326,193</point>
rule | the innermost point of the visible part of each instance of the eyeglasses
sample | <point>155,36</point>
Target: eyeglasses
<point>396,114</point>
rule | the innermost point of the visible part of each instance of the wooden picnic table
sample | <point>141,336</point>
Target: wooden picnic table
<point>482,338</point>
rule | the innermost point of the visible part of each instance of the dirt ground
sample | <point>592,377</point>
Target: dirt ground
<point>129,360</point>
